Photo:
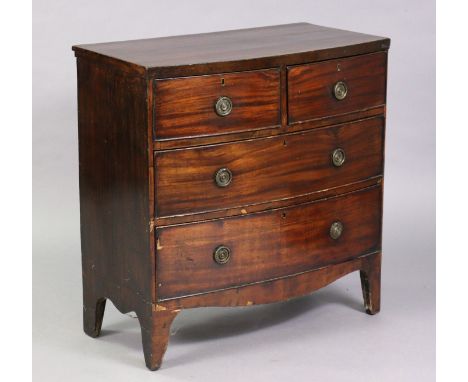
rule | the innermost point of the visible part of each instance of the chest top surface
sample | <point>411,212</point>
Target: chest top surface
<point>256,47</point>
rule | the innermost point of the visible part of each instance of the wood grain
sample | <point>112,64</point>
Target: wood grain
<point>310,87</point>
<point>281,289</point>
<point>155,332</point>
<point>266,245</point>
<point>185,107</point>
<point>251,134</point>
<point>236,50</point>
<point>114,192</point>
<point>266,169</point>
<point>268,205</point>
<point>370,283</point>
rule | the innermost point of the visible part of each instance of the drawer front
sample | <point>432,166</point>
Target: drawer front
<point>269,169</point>
<point>187,107</point>
<point>266,245</point>
<point>360,80</point>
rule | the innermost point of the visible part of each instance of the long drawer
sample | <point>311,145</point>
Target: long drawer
<point>202,257</point>
<point>244,173</point>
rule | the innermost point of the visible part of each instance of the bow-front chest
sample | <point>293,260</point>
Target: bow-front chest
<point>228,169</point>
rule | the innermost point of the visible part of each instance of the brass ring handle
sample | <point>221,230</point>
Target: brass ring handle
<point>223,106</point>
<point>222,254</point>
<point>338,157</point>
<point>340,90</point>
<point>336,229</point>
<point>223,177</point>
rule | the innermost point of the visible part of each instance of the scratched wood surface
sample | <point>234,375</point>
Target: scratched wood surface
<point>169,144</point>
<point>266,169</point>
<point>266,245</point>
<point>285,288</point>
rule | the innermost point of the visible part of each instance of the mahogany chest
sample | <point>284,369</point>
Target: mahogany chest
<point>228,169</point>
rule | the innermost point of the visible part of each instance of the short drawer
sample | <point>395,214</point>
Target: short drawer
<point>226,253</point>
<point>216,104</point>
<point>336,87</point>
<point>261,170</point>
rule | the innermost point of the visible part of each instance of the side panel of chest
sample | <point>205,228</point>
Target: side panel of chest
<point>114,186</point>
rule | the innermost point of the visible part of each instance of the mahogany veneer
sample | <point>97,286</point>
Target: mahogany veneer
<point>184,106</point>
<point>228,169</point>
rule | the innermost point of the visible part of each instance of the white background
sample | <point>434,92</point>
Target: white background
<point>324,335</point>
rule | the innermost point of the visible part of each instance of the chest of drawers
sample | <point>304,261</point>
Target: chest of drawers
<point>228,169</point>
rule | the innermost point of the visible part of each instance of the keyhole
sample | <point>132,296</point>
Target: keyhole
<point>222,81</point>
